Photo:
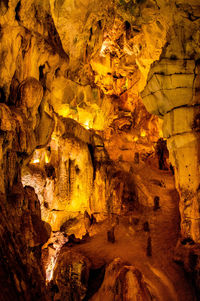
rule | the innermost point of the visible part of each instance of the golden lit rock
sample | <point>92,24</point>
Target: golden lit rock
<point>81,103</point>
<point>172,91</point>
<point>84,161</point>
<point>73,175</point>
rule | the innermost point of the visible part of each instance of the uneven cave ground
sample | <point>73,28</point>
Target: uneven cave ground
<point>132,230</point>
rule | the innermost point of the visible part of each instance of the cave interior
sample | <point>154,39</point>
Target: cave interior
<point>99,150</point>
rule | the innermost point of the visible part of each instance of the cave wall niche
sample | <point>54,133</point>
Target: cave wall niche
<point>74,174</point>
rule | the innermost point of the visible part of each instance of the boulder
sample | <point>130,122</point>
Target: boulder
<point>71,275</point>
<point>122,282</point>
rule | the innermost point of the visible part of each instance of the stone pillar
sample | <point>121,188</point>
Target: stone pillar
<point>172,93</point>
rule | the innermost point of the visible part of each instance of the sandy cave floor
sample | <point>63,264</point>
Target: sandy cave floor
<point>159,270</point>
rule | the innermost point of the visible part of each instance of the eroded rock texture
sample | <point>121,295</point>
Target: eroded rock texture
<point>173,92</point>
<point>72,125</point>
<point>122,282</point>
<point>22,231</point>
<point>74,175</point>
<point>71,276</point>
<point>22,275</point>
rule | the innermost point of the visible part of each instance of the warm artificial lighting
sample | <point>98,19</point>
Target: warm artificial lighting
<point>35,161</point>
<point>160,133</point>
<point>46,158</point>
<point>36,157</point>
<point>103,48</point>
<point>57,245</point>
<point>135,138</point>
<point>106,44</point>
<point>143,134</point>
<point>86,124</point>
<point>50,268</point>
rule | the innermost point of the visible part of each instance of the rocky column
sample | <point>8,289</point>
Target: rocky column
<point>172,93</point>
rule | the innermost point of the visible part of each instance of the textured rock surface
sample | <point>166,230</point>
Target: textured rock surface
<point>71,275</point>
<point>74,174</point>
<point>22,232</point>
<point>71,71</point>
<point>172,91</point>
<point>188,254</point>
<point>122,282</point>
<point>21,271</point>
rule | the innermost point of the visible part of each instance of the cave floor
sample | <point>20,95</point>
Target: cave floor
<point>159,270</point>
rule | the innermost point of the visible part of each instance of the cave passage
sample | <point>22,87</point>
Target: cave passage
<point>99,150</point>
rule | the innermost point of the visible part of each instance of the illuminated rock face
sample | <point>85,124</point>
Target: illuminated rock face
<point>70,73</point>
<point>172,91</point>
<point>74,174</point>
<point>87,56</point>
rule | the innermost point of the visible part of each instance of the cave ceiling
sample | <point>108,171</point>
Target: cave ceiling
<point>92,58</point>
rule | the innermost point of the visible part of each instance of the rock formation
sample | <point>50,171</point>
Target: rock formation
<point>71,276</point>
<point>122,282</point>
<point>87,91</point>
